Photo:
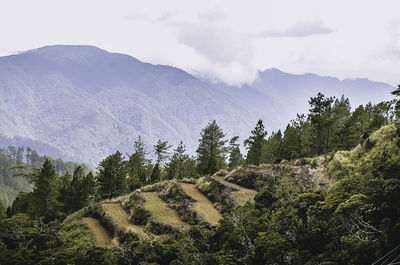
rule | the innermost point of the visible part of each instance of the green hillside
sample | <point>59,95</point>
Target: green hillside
<point>325,213</point>
<point>324,192</point>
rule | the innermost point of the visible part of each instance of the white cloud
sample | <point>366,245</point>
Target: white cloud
<point>211,16</point>
<point>299,30</point>
<point>228,38</point>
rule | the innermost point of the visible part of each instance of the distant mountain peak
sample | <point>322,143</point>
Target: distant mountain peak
<point>86,103</point>
<point>61,50</point>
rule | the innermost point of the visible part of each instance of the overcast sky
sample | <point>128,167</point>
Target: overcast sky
<point>225,39</point>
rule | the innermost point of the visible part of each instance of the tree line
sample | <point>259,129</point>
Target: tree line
<point>354,222</point>
<point>330,125</point>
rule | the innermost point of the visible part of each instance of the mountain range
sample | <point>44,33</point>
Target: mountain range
<point>277,96</point>
<point>83,103</point>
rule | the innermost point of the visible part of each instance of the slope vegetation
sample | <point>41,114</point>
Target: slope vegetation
<point>160,210</point>
<point>241,195</point>
<point>100,235</point>
<point>203,205</point>
<point>176,205</point>
<point>121,218</point>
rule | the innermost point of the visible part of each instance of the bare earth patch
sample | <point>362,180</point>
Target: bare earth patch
<point>203,206</point>
<point>160,210</point>
<point>100,235</point>
<point>121,217</point>
<point>242,195</point>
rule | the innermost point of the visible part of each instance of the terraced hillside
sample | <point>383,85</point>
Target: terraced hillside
<point>121,218</point>
<point>241,195</point>
<point>100,235</point>
<point>159,209</point>
<point>203,205</point>
<point>162,212</point>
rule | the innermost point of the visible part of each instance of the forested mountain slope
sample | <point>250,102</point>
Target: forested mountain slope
<point>83,103</point>
<point>338,208</point>
<point>13,160</point>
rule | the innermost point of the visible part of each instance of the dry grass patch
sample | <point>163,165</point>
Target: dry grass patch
<point>121,218</point>
<point>241,195</point>
<point>203,205</point>
<point>100,235</point>
<point>161,212</point>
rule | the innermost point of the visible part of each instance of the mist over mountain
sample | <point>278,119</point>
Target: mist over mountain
<point>82,103</point>
<point>277,96</point>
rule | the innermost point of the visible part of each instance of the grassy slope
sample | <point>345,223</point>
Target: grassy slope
<point>121,217</point>
<point>160,210</point>
<point>242,195</point>
<point>203,205</point>
<point>164,214</point>
<point>75,234</point>
<point>100,235</point>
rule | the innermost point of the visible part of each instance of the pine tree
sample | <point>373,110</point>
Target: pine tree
<point>19,155</point>
<point>380,115</point>
<point>112,176</point>
<point>319,115</point>
<point>80,191</point>
<point>289,142</point>
<point>12,152</point>
<point>255,144</point>
<point>211,150</point>
<point>44,195</point>
<point>137,165</point>
<point>176,167</point>
<point>357,125</point>
<point>34,158</point>
<point>340,123</point>
<point>161,152</point>
<point>235,157</point>
<point>89,188</point>
<point>273,150</point>
<point>28,153</point>
<point>77,188</point>
<point>65,193</point>
<point>156,173</point>
<point>298,125</point>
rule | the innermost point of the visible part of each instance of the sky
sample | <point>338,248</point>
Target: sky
<point>224,40</point>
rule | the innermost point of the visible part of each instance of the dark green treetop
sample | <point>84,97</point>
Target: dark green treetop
<point>255,144</point>
<point>211,150</point>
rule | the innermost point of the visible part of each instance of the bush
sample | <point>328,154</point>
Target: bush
<point>138,215</point>
<point>314,163</point>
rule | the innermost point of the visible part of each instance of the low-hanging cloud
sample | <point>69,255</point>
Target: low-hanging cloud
<point>299,30</point>
<point>218,44</point>
<point>233,51</point>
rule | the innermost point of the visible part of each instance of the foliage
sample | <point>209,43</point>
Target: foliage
<point>137,165</point>
<point>255,144</point>
<point>354,220</point>
<point>211,150</point>
<point>181,165</point>
<point>235,156</point>
<point>112,176</point>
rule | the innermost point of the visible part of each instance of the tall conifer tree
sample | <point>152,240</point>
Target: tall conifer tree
<point>255,144</point>
<point>211,150</point>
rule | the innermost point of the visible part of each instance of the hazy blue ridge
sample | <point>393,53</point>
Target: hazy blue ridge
<point>83,103</point>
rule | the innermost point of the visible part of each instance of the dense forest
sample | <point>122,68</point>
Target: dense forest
<point>13,159</point>
<point>349,215</point>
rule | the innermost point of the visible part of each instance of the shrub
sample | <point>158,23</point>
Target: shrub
<point>314,163</point>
